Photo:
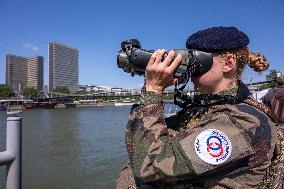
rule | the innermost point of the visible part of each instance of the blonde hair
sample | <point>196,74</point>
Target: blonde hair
<point>254,60</point>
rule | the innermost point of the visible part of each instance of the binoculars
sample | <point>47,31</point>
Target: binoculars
<point>132,59</point>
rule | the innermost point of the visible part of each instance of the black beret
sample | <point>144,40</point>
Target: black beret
<point>217,39</point>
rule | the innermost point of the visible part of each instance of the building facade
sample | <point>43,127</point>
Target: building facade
<point>23,72</point>
<point>63,66</point>
<point>35,72</point>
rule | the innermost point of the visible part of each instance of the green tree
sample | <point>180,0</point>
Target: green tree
<point>272,84</point>
<point>6,91</point>
<point>272,75</point>
<point>30,92</point>
<point>62,89</point>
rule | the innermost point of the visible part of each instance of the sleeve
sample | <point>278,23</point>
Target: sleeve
<point>126,178</point>
<point>157,152</point>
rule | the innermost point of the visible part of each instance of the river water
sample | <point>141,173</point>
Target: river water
<point>75,148</point>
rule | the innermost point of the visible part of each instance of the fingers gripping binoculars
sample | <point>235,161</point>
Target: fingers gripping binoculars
<point>132,59</point>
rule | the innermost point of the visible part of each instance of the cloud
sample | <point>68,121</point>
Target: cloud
<point>30,46</point>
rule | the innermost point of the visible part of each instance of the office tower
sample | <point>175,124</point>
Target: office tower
<point>63,66</point>
<point>23,72</point>
<point>35,72</point>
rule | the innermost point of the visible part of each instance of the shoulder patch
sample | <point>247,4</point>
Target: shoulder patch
<point>213,146</point>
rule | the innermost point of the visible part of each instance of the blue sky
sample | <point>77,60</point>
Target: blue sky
<point>97,28</point>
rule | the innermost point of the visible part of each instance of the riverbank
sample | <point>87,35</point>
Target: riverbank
<point>101,102</point>
<point>66,105</point>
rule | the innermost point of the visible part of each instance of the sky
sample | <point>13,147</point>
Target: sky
<point>97,27</point>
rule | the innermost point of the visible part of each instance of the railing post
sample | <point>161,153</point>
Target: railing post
<point>14,146</point>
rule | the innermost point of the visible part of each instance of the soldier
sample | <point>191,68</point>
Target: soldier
<point>225,139</point>
<point>274,99</point>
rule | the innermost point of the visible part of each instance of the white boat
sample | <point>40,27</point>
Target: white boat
<point>124,102</point>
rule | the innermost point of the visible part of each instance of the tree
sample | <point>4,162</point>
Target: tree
<point>62,89</point>
<point>30,92</point>
<point>270,85</point>
<point>273,74</point>
<point>6,91</point>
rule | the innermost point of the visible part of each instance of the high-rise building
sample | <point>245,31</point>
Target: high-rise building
<point>35,72</point>
<point>63,66</point>
<point>23,72</point>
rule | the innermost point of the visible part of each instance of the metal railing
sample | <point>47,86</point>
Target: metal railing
<point>12,157</point>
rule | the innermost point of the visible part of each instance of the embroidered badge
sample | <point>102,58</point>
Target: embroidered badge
<point>213,146</point>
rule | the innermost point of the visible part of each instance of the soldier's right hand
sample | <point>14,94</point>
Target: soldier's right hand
<point>159,73</point>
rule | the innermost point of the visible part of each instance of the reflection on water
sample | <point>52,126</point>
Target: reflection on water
<point>76,148</point>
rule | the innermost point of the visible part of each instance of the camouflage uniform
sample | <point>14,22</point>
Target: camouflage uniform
<point>162,151</point>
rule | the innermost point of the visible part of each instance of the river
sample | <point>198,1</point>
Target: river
<point>75,148</point>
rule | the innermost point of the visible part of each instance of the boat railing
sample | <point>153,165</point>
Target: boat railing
<point>12,156</point>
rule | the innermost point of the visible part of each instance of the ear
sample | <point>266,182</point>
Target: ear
<point>230,63</point>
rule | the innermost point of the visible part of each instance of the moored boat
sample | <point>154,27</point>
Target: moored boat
<point>90,103</point>
<point>124,103</point>
<point>43,105</point>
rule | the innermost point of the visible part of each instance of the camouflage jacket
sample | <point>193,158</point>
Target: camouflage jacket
<point>230,146</point>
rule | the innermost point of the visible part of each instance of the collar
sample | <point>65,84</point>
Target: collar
<point>228,96</point>
<point>230,91</point>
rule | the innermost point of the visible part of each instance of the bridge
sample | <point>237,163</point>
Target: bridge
<point>98,94</point>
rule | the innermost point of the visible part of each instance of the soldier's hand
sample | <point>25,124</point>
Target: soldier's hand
<point>159,74</point>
